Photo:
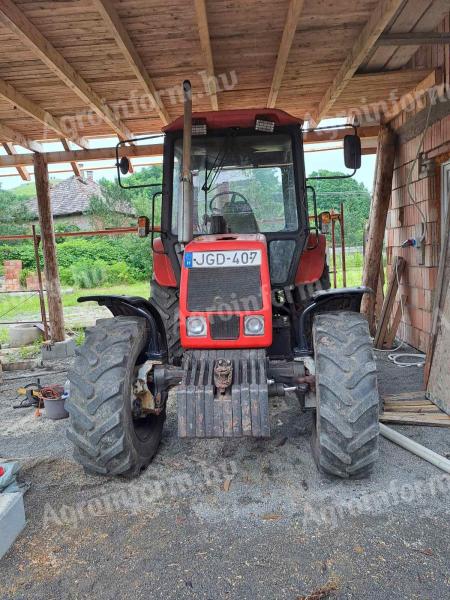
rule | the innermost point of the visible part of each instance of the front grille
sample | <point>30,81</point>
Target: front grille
<point>225,289</point>
<point>224,327</point>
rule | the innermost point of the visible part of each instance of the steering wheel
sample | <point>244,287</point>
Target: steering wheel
<point>234,195</point>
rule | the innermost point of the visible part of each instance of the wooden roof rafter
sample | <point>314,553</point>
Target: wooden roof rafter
<point>205,42</point>
<point>292,18</point>
<point>22,171</point>
<point>28,34</point>
<point>11,135</point>
<point>73,164</point>
<point>20,101</point>
<point>123,40</point>
<point>375,26</point>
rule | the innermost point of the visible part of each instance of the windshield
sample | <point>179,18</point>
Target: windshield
<point>245,181</point>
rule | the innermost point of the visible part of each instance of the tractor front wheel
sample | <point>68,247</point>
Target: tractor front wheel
<point>345,440</point>
<point>106,436</point>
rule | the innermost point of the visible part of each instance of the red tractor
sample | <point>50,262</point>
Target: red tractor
<point>240,308</point>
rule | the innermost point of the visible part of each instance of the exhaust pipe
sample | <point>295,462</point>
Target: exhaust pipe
<point>185,207</point>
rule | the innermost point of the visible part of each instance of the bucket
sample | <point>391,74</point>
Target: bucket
<point>54,408</point>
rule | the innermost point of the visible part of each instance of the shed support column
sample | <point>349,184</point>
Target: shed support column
<point>378,217</point>
<point>55,309</point>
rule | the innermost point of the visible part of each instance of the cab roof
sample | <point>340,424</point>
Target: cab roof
<point>243,118</point>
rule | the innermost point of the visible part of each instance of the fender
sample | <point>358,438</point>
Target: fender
<point>348,299</point>
<point>137,307</point>
<point>312,261</point>
<point>162,267</point>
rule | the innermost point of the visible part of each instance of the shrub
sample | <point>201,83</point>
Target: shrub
<point>88,274</point>
<point>118,273</point>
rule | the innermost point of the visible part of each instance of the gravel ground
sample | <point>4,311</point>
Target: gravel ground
<point>218,519</point>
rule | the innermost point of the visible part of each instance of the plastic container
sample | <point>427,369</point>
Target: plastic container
<point>54,408</point>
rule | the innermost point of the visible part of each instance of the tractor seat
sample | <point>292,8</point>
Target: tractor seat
<point>240,218</point>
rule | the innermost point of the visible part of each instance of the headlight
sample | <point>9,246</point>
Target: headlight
<point>196,326</point>
<point>254,325</point>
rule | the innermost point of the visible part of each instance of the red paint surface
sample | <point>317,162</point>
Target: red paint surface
<point>229,242</point>
<point>244,118</point>
<point>162,267</point>
<point>312,262</point>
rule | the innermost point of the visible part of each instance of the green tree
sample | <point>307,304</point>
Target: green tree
<point>14,215</point>
<point>354,196</point>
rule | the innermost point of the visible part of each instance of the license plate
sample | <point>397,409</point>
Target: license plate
<point>228,258</point>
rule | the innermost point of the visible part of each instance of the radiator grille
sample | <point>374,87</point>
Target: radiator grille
<point>224,327</point>
<point>224,289</point>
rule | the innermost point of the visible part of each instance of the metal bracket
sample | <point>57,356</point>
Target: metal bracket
<point>148,403</point>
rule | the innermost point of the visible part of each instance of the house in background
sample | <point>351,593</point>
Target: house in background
<point>70,201</point>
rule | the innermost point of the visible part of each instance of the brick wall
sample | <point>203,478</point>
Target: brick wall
<point>404,219</point>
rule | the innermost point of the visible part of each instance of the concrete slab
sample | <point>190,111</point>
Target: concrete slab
<point>58,350</point>
<point>12,519</point>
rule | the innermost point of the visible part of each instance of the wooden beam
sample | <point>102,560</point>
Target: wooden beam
<point>317,136</point>
<point>11,151</point>
<point>55,309</point>
<point>377,220</point>
<point>398,268</point>
<point>433,79</point>
<point>414,39</point>
<point>73,164</point>
<point>32,109</point>
<point>123,40</point>
<point>83,155</point>
<point>290,26</point>
<point>379,19</point>
<point>28,34</point>
<point>11,135</point>
<point>205,42</point>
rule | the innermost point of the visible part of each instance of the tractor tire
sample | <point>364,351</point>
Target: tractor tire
<point>166,301</point>
<point>306,291</point>
<point>345,439</point>
<point>107,439</point>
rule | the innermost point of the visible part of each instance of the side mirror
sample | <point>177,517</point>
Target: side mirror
<point>352,152</point>
<point>124,165</point>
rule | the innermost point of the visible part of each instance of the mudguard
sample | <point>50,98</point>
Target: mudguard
<point>348,299</point>
<point>137,307</point>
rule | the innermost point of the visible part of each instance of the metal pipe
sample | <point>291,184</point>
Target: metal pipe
<point>432,457</point>
<point>36,240</point>
<point>185,206</point>
<point>344,262</point>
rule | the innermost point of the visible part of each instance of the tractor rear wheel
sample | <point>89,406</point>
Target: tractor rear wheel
<point>106,436</point>
<point>345,440</point>
<point>166,301</point>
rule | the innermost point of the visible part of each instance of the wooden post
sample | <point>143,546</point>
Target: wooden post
<point>377,221</point>
<point>55,310</point>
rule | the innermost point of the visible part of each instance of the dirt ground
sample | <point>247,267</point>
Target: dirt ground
<point>217,519</point>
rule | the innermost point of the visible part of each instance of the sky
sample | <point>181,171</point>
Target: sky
<point>332,160</point>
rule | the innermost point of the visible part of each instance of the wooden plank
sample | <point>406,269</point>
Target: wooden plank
<point>410,396</point>
<point>83,155</point>
<point>11,135</point>
<point>414,39</point>
<point>442,282</point>
<point>438,388</point>
<point>390,335</point>
<point>22,171</point>
<point>294,10</point>
<point>377,220</point>
<point>55,309</point>
<point>406,101</point>
<point>205,42</point>
<point>398,268</point>
<point>379,19</point>
<point>398,408</point>
<point>411,419</point>
<point>73,164</point>
<point>123,40</point>
<point>29,34</point>
<point>19,100</point>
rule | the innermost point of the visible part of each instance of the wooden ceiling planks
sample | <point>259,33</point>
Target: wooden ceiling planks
<point>244,38</point>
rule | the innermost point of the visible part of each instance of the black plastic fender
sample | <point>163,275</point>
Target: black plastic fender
<point>348,299</point>
<point>137,307</point>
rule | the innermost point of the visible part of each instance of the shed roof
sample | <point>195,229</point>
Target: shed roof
<point>72,197</point>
